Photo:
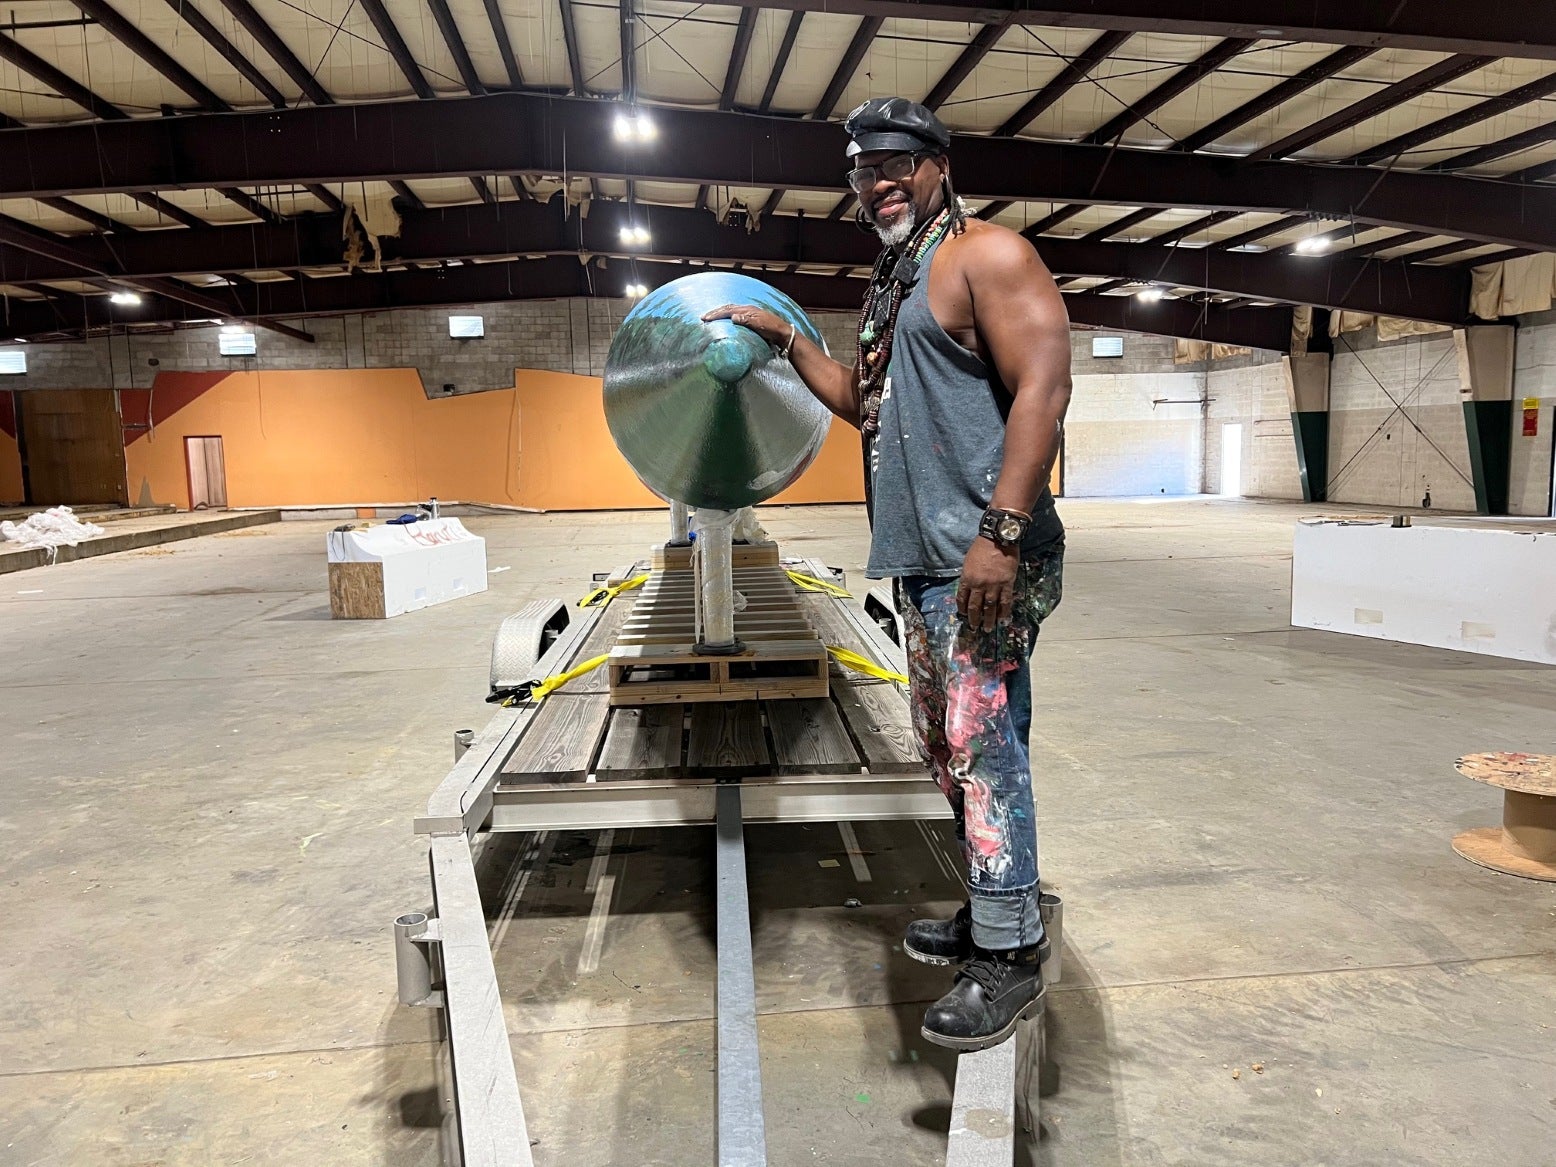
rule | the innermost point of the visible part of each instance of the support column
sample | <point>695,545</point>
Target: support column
<point>1307,392</point>
<point>1486,389</point>
<point>716,563</point>
<point>680,524</point>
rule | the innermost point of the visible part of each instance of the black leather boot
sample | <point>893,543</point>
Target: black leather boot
<point>950,941</point>
<point>992,992</point>
<point>941,941</point>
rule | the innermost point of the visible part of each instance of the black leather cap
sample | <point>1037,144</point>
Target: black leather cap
<point>894,123</point>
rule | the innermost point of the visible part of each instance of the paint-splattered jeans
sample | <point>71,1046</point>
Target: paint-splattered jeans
<point>971,693</point>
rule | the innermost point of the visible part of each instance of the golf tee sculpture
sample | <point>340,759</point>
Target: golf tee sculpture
<point>711,417</point>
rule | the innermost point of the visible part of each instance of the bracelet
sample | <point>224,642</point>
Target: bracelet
<point>789,347</point>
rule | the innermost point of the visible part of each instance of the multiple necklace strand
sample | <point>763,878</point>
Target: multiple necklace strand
<point>889,284</point>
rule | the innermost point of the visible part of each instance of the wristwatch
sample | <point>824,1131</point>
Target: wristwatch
<point>1004,528</point>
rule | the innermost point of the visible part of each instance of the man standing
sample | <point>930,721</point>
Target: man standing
<point>959,388</point>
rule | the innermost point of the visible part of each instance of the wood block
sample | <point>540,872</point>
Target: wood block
<point>560,742</point>
<point>642,742</point>
<point>357,591</point>
<point>878,718</point>
<point>727,741</point>
<point>665,558</point>
<point>809,738</point>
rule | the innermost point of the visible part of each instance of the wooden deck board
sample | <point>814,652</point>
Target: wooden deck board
<point>809,738</point>
<point>878,718</point>
<point>727,740</point>
<point>560,744</point>
<point>643,741</point>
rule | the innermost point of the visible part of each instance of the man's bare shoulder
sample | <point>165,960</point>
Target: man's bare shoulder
<point>996,247</point>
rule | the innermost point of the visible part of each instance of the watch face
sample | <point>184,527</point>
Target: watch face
<point>1009,529</point>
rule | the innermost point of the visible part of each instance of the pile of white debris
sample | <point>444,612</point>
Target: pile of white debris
<point>53,528</point>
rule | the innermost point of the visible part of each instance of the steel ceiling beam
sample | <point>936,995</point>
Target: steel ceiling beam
<point>72,90</point>
<point>510,63</point>
<point>1502,30</point>
<point>67,87</point>
<point>629,53</point>
<point>456,46</point>
<point>1073,73</point>
<point>853,57</point>
<point>1193,227</point>
<point>212,36</point>
<point>780,61</point>
<point>1502,148</point>
<point>732,74</point>
<point>564,276</point>
<point>131,37</point>
<point>737,57</point>
<point>512,133</point>
<point>21,237</point>
<point>1453,123</point>
<point>1422,81</point>
<point>397,48</point>
<point>482,233</point>
<point>168,210</point>
<point>254,24</point>
<point>1120,225</point>
<point>570,40</point>
<point>1184,79</point>
<point>1276,95</point>
<point>85,214</point>
<point>961,68</point>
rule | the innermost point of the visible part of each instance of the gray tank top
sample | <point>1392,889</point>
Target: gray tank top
<point>932,466</point>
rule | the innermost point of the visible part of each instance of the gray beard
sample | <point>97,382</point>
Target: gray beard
<point>901,230</point>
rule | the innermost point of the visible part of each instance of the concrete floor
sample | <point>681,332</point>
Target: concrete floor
<point>208,788</point>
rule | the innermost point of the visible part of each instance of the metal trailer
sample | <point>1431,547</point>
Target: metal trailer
<point>443,957</point>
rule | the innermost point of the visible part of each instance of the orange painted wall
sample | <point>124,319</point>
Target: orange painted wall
<point>10,454</point>
<point>569,461</point>
<point>369,436</point>
<point>10,470</point>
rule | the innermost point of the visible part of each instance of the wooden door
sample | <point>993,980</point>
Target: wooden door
<point>73,445</point>
<point>207,473</point>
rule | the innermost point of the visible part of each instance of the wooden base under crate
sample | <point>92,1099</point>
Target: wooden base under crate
<point>659,674</point>
<point>664,557</point>
<point>654,661</point>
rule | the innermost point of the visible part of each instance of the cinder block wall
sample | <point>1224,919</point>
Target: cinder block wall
<point>1251,392</point>
<point>1139,424</point>
<point>558,336</point>
<point>1136,422</point>
<point>1396,457</point>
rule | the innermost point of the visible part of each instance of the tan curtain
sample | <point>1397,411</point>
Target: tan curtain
<point>1526,284</point>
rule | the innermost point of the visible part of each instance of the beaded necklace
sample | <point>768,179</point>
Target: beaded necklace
<point>889,284</point>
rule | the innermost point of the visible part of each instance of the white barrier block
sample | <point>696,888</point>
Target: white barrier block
<point>1489,590</point>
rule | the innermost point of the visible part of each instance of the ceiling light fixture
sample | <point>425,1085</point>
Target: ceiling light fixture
<point>636,291</point>
<point>1149,295</point>
<point>233,329</point>
<point>124,298</point>
<point>1313,245</point>
<point>634,234</point>
<point>632,126</point>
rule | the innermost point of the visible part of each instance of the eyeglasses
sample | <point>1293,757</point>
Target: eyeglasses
<point>894,169</point>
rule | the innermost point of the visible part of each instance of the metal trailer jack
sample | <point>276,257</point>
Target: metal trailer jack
<point>444,959</point>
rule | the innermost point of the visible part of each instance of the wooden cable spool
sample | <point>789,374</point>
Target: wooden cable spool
<point>1525,843</point>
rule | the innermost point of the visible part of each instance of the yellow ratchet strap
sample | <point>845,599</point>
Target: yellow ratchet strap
<point>542,688</point>
<point>606,595</point>
<point>850,659</point>
<point>810,583</point>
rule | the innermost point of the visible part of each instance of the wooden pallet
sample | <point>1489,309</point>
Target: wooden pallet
<point>862,726</point>
<point>654,660</point>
